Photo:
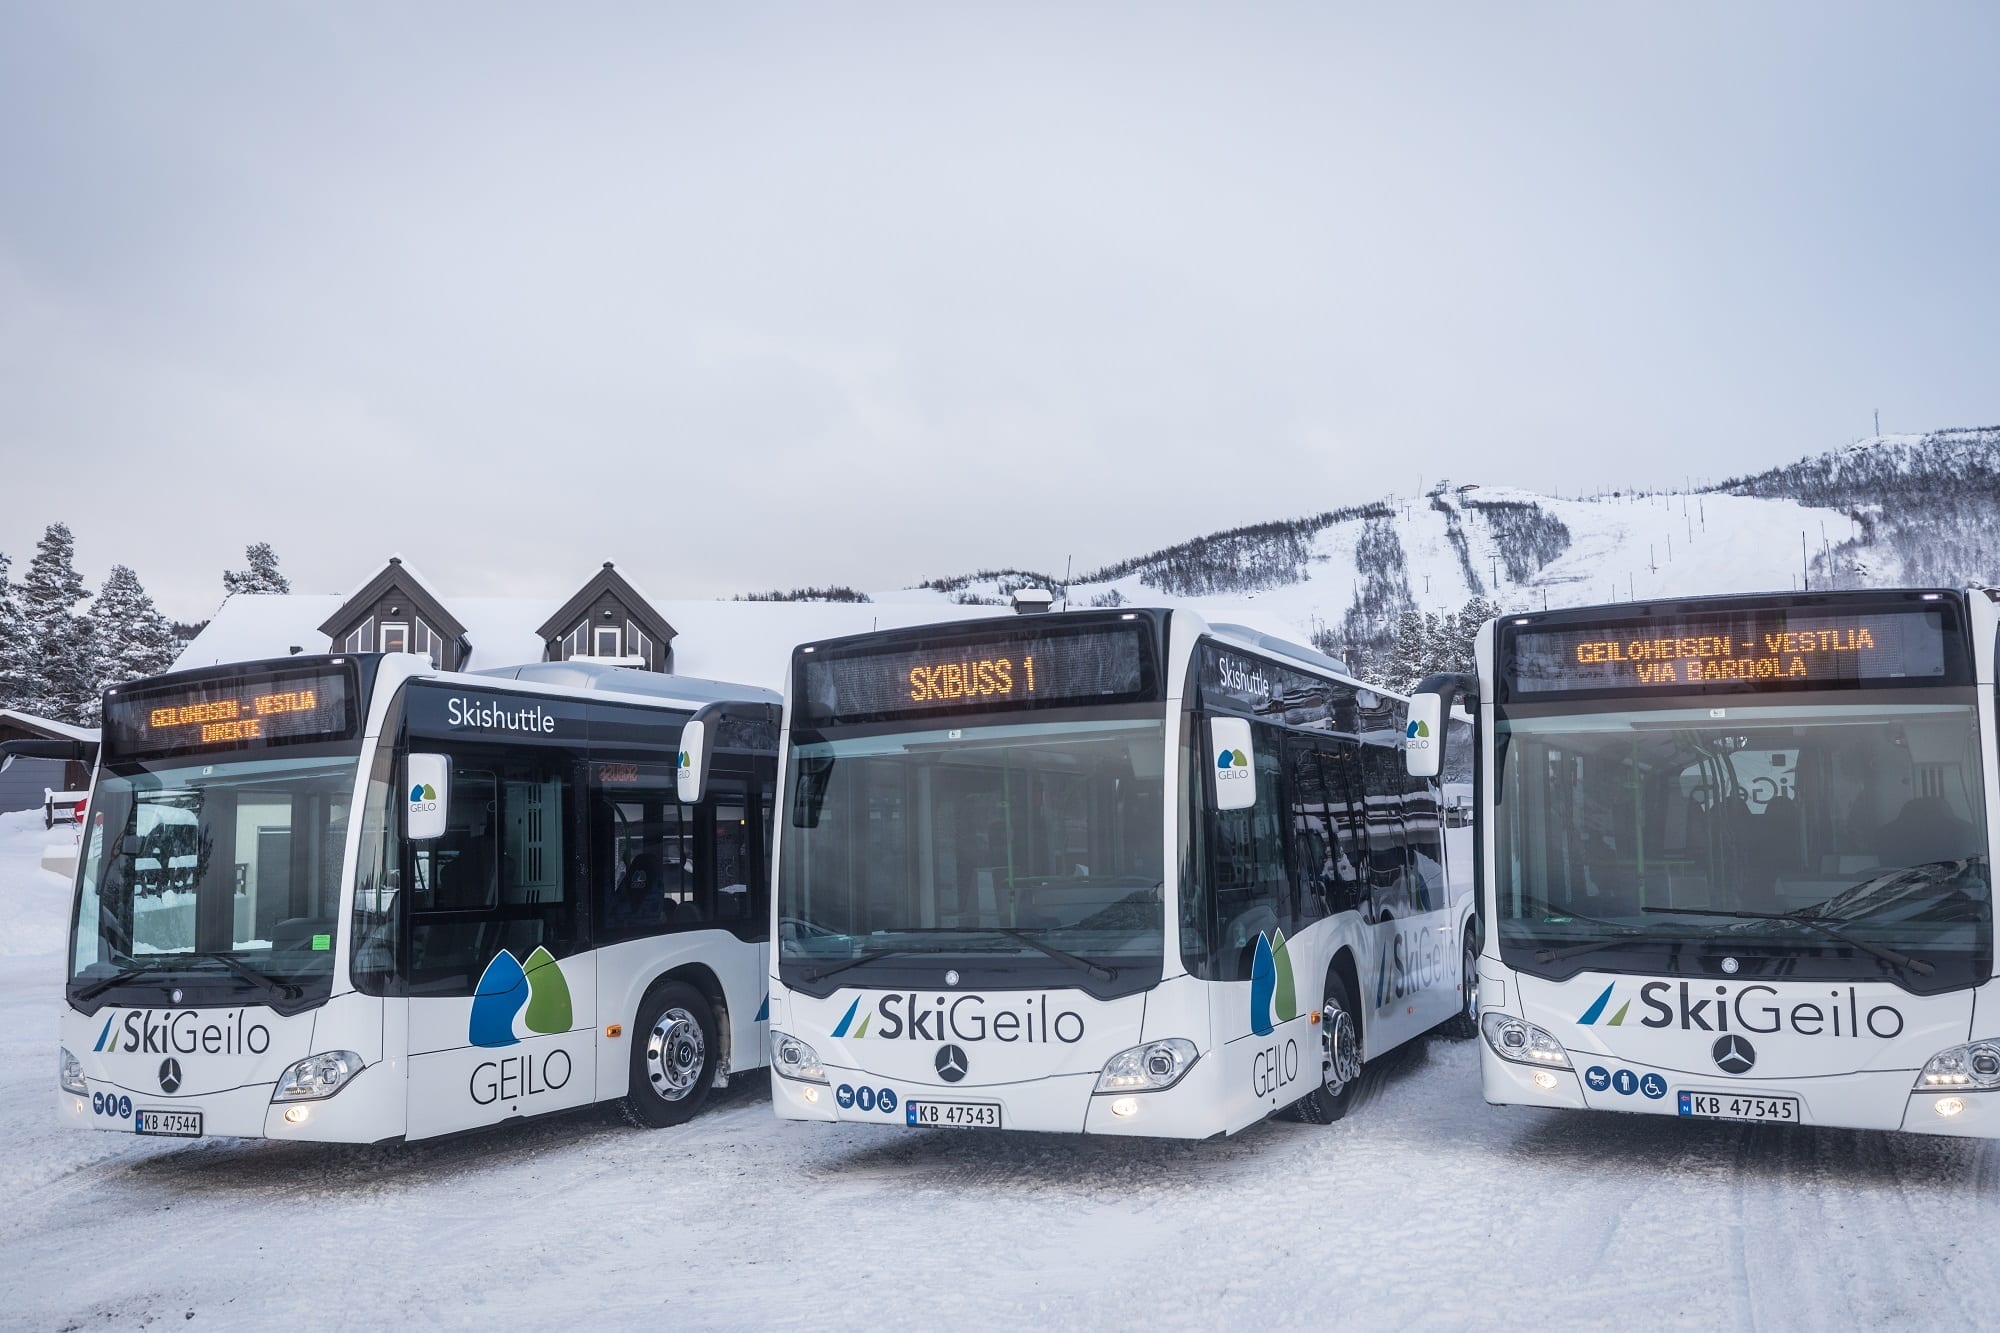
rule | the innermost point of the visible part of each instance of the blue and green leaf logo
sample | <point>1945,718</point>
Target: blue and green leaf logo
<point>507,987</point>
<point>683,760</point>
<point>1417,729</point>
<point>423,791</point>
<point>1273,998</point>
<point>1598,1006</point>
<point>1232,759</point>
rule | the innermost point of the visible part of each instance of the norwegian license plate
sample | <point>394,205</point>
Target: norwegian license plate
<point>953,1115</point>
<point>173,1124</point>
<point>1738,1106</point>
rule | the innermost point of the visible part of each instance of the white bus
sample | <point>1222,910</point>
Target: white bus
<point>359,899</point>
<point>1117,872</point>
<point>1736,858</point>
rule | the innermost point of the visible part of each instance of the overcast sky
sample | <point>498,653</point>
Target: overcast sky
<point>742,296</point>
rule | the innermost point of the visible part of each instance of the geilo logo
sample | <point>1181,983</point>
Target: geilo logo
<point>1273,998</point>
<point>682,762</point>
<point>1232,766</point>
<point>423,797</point>
<point>1417,736</point>
<point>506,987</point>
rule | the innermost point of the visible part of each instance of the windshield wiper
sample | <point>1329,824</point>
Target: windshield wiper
<point>103,984</point>
<point>1893,957</point>
<point>1022,937</point>
<point>247,972</point>
<point>1925,868</point>
<point>1592,946</point>
<point>869,956</point>
<point>1549,909</point>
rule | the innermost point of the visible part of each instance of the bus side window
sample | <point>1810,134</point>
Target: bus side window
<point>641,854</point>
<point>728,899</point>
<point>502,875</point>
<point>1249,887</point>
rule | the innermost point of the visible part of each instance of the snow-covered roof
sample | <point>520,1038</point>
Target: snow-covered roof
<point>750,642</point>
<point>254,625</point>
<point>49,726</point>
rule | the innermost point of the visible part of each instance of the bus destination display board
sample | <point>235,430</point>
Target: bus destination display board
<point>1768,647</point>
<point>230,712</point>
<point>1018,669</point>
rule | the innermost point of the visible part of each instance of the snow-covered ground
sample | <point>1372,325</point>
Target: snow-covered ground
<point>1425,1208</point>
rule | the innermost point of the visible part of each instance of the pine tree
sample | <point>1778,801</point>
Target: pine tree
<point>262,576</point>
<point>57,659</point>
<point>133,639</point>
<point>13,643</point>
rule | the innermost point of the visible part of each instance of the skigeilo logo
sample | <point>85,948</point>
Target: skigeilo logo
<point>1273,998</point>
<point>1597,1007</point>
<point>506,987</point>
<point>1754,1008</point>
<point>908,1016</point>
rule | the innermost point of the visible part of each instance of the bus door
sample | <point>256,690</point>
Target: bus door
<point>501,986</point>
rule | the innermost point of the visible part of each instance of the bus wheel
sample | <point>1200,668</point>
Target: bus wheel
<point>674,1050</point>
<point>1464,1024</point>
<point>1340,1058</point>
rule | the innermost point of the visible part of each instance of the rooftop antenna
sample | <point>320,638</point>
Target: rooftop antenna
<point>1068,560</point>
<point>1878,423</point>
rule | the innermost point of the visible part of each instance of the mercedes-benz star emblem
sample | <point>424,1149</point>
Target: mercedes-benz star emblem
<point>1733,1055</point>
<point>170,1075</point>
<point>950,1063</point>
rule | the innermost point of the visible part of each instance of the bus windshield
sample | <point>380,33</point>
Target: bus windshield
<point>1834,840</point>
<point>223,877</point>
<point>1033,848</point>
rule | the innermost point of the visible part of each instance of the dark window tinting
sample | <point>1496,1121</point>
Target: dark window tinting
<point>503,876</point>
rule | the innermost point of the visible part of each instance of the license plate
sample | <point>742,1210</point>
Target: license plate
<point>1736,1106</point>
<point>953,1115</point>
<point>173,1124</point>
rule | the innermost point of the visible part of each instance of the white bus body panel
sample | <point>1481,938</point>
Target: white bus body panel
<point>1864,1081</point>
<point>421,1076</point>
<point>1856,1079</point>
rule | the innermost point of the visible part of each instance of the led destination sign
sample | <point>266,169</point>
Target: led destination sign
<point>1764,648</point>
<point>1018,670</point>
<point>262,709</point>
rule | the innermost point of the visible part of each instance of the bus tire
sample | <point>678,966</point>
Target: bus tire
<point>674,1050</point>
<point>1464,1025</point>
<point>1340,1057</point>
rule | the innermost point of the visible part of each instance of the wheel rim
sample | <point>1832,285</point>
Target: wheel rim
<point>675,1053</point>
<point>1340,1047</point>
<point>1471,985</point>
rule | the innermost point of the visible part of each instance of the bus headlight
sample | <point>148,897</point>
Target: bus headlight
<point>317,1077</point>
<point>1148,1068</point>
<point>70,1074</point>
<point>1522,1042</point>
<point>794,1059</point>
<point>1975,1065</point>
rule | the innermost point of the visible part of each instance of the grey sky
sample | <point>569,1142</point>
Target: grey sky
<point>741,296</point>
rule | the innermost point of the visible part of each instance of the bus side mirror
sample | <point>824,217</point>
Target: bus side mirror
<point>691,772</point>
<point>427,789</point>
<point>1423,736</point>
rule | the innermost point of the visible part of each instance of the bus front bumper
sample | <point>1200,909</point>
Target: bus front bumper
<point>239,1113</point>
<point>1060,1104</point>
<point>1874,1099</point>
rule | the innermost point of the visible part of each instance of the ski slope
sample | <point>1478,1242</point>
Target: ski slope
<point>1424,1208</point>
<point>1621,548</point>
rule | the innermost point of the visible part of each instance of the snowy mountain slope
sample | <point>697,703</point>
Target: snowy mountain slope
<point>1900,509</point>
